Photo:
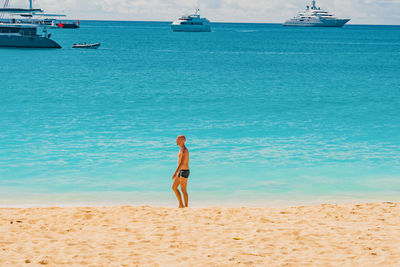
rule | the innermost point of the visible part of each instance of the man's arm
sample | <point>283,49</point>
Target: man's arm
<point>179,163</point>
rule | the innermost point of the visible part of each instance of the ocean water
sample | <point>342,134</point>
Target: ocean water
<point>272,115</point>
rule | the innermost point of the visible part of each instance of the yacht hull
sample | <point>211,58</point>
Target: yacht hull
<point>66,25</point>
<point>330,23</point>
<point>192,28</point>
<point>27,42</point>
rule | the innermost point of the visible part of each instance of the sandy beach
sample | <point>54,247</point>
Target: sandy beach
<point>322,235</point>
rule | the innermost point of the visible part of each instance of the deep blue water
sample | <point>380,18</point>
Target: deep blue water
<point>271,113</point>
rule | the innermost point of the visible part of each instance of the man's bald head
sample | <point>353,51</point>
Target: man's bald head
<point>180,140</point>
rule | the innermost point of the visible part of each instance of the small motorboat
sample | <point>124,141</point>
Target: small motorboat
<point>85,45</point>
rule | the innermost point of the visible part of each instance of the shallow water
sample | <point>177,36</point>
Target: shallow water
<point>271,113</point>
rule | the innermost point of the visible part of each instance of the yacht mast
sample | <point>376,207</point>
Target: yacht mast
<point>4,6</point>
<point>6,3</point>
<point>313,7</point>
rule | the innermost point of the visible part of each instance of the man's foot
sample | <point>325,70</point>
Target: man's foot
<point>181,206</point>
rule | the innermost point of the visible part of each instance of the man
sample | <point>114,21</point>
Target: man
<point>181,174</point>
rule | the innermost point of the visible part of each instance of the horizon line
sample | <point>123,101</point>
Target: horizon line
<point>233,22</point>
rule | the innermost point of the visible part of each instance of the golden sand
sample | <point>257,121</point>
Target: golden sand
<point>323,235</point>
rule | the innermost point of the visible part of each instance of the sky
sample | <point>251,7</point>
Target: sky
<point>259,11</point>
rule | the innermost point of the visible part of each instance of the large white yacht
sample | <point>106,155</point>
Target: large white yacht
<point>191,23</point>
<point>314,16</point>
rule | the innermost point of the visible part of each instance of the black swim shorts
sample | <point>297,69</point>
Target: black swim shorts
<point>184,173</point>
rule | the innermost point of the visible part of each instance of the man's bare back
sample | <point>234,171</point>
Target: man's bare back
<point>182,172</point>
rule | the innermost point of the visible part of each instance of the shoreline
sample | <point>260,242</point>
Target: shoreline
<point>273,205</point>
<point>196,200</point>
<point>144,206</point>
<point>364,234</point>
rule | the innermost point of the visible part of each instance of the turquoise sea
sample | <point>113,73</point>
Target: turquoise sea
<point>272,115</point>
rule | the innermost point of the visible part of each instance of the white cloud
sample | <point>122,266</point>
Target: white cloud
<point>360,11</point>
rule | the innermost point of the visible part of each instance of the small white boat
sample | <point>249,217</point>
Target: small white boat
<point>191,23</point>
<point>85,45</point>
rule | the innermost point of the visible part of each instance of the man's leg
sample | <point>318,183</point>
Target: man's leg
<point>183,182</point>
<point>177,193</point>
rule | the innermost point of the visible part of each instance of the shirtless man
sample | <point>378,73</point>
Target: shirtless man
<point>181,174</point>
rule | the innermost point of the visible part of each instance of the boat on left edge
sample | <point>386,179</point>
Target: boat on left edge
<point>28,35</point>
<point>25,35</point>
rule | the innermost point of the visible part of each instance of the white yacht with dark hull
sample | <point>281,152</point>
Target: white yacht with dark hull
<point>191,23</point>
<point>25,35</point>
<point>36,16</point>
<point>40,19</point>
<point>314,16</point>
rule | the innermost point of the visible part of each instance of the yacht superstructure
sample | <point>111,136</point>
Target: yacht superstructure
<point>191,23</point>
<point>314,16</point>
